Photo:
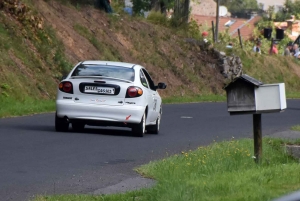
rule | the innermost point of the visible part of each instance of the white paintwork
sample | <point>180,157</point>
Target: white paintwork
<point>107,107</point>
<point>223,11</point>
<point>112,63</point>
<point>270,97</point>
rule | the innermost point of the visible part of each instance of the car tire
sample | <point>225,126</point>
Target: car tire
<point>139,129</point>
<point>154,129</point>
<point>78,126</point>
<point>61,125</point>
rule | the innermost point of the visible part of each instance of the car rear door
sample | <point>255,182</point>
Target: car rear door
<point>153,96</point>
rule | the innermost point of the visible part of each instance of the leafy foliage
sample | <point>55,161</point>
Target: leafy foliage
<point>292,7</point>
<point>139,6</point>
<point>240,8</point>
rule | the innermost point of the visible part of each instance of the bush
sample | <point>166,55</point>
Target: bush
<point>158,18</point>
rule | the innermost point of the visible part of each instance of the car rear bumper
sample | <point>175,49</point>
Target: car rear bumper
<point>81,111</point>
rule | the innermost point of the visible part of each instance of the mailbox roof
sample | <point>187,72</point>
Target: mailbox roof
<point>246,78</point>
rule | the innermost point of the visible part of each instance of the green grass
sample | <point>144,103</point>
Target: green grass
<point>107,53</point>
<point>222,171</point>
<point>191,99</point>
<point>295,128</point>
<point>10,107</point>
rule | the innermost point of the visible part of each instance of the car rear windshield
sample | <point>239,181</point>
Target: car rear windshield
<point>105,71</point>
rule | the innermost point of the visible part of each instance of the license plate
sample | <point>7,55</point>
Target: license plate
<point>100,90</point>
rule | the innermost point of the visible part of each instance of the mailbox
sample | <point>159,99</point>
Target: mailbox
<point>246,95</point>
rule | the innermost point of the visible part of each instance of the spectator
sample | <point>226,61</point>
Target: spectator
<point>205,44</point>
<point>273,49</point>
<point>205,35</point>
<point>230,45</point>
<point>257,48</point>
<point>288,49</point>
<point>106,5</point>
<point>296,51</point>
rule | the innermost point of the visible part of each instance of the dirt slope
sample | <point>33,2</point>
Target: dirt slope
<point>33,60</point>
<point>167,56</point>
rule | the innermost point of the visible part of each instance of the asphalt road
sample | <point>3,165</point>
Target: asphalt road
<point>35,159</point>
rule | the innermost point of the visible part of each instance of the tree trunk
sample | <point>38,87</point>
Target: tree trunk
<point>155,5</point>
<point>181,11</point>
<point>163,8</point>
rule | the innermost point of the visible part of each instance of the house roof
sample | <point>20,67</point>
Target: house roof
<point>246,78</point>
<point>246,26</point>
<point>292,25</point>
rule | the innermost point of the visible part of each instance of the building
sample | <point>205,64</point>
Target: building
<point>290,26</point>
<point>265,4</point>
<point>229,24</point>
<point>208,7</point>
<point>203,7</point>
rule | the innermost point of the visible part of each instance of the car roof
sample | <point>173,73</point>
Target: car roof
<point>109,63</point>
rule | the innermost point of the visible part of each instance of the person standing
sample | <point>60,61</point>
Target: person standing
<point>205,44</point>
<point>230,45</point>
<point>205,35</point>
<point>274,49</point>
<point>106,5</point>
<point>296,51</point>
<point>257,48</point>
<point>288,49</point>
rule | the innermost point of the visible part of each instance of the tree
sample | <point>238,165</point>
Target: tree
<point>292,8</point>
<point>181,11</point>
<point>156,5</point>
<point>240,7</point>
<point>139,6</point>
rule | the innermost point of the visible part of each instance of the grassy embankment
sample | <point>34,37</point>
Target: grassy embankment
<point>33,60</point>
<point>221,171</point>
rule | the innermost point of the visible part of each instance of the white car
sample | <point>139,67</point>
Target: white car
<point>106,93</point>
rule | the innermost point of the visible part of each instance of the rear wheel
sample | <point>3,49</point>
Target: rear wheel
<point>154,129</point>
<point>61,125</point>
<point>78,126</point>
<point>139,129</point>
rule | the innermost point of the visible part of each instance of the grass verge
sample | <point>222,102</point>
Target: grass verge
<point>10,107</point>
<point>191,99</point>
<point>222,171</point>
<point>295,128</point>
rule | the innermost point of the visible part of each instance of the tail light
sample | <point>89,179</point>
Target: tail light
<point>133,92</point>
<point>66,87</point>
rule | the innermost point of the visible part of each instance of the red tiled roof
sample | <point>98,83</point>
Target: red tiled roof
<point>246,26</point>
<point>281,25</point>
<point>292,25</point>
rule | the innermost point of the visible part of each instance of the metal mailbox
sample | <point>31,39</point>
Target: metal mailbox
<point>246,95</point>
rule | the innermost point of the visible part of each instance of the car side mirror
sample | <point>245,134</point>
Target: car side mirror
<point>161,85</point>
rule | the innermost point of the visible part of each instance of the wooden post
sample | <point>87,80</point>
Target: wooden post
<point>217,21</point>
<point>257,136</point>
<point>213,31</point>
<point>240,38</point>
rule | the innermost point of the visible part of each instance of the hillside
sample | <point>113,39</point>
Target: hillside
<point>41,40</point>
